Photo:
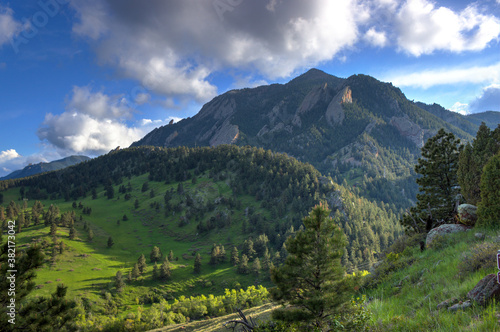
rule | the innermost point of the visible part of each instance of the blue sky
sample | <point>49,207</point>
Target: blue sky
<point>86,76</point>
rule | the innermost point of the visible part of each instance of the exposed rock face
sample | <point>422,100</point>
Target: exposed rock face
<point>335,113</point>
<point>485,290</point>
<point>226,134</point>
<point>444,230</point>
<point>467,214</point>
<point>315,96</point>
<point>409,129</point>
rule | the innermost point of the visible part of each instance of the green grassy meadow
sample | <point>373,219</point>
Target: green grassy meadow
<point>88,268</point>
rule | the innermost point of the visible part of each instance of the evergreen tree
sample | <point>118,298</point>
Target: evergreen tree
<point>197,263</point>
<point>222,254</point>
<point>141,263</point>
<point>171,256</point>
<point>472,160</point>
<point>248,249</point>
<point>312,278</point>
<point>53,228</point>
<point>119,283</point>
<point>214,255</point>
<point>155,254</point>
<point>72,233</point>
<point>489,206</point>
<point>129,276</point>
<point>110,242</point>
<point>235,259</point>
<point>136,204</point>
<point>135,271</point>
<point>58,311</point>
<point>438,184</point>
<point>165,270</point>
<point>243,266</point>
<point>256,267</point>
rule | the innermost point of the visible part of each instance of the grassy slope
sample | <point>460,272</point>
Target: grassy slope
<point>87,277</point>
<point>431,279</point>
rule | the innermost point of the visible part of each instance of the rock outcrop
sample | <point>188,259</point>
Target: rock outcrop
<point>408,129</point>
<point>335,113</point>
<point>444,230</point>
<point>485,290</point>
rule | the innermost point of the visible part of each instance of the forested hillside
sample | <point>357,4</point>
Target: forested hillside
<point>233,207</point>
<point>356,129</point>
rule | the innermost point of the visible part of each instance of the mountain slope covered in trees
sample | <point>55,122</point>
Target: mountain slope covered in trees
<point>95,219</point>
<point>358,129</point>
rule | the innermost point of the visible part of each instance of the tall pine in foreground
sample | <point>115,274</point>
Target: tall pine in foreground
<point>438,184</point>
<point>312,279</point>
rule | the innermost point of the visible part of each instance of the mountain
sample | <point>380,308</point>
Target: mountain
<point>490,118</point>
<point>356,129</point>
<point>45,167</point>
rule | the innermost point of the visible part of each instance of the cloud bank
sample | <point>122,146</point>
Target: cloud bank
<point>172,47</point>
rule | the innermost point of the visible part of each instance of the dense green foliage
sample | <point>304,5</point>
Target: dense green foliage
<point>311,280</point>
<point>438,184</point>
<point>489,207</point>
<point>472,160</point>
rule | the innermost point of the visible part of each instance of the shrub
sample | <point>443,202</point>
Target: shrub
<point>481,257</point>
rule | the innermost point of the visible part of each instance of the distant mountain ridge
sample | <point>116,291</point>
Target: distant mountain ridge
<point>42,167</point>
<point>356,128</point>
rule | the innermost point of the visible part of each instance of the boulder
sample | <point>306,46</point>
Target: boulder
<point>467,214</point>
<point>485,290</point>
<point>444,230</point>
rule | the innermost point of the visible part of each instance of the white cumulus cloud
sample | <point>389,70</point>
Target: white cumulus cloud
<point>92,124</point>
<point>423,29</point>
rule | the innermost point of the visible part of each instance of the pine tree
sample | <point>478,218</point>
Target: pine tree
<point>438,184</point>
<point>171,256</point>
<point>243,266</point>
<point>222,254</point>
<point>58,311</point>
<point>214,255</point>
<point>197,264</point>
<point>155,254</point>
<point>165,270</point>
<point>53,228</point>
<point>472,160</point>
<point>119,283</point>
<point>72,233</point>
<point>141,263</point>
<point>256,267</point>
<point>235,259</point>
<point>311,281</point>
<point>489,207</point>
<point>110,242</point>
<point>248,249</point>
<point>135,271</point>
